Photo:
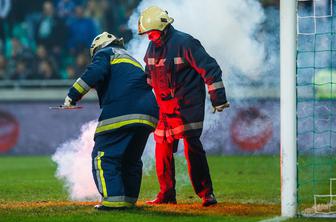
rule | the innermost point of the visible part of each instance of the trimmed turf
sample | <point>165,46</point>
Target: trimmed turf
<point>248,188</point>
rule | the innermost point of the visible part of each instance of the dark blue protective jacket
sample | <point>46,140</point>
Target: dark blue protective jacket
<point>124,96</point>
<point>178,70</point>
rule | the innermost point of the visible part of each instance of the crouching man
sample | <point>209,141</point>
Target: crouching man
<point>129,114</point>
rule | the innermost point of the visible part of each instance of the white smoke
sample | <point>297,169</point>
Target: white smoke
<point>73,159</point>
<point>74,163</point>
<point>227,31</point>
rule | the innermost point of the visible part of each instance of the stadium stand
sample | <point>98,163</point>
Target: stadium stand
<point>49,39</point>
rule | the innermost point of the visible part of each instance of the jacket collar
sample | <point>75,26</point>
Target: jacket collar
<point>167,33</point>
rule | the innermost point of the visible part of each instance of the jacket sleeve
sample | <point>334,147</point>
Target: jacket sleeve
<point>147,72</point>
<point>208,68</point>
<point>95,72</point>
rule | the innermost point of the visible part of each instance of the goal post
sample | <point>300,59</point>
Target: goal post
<point>308,108</point>
<point>288,160</point>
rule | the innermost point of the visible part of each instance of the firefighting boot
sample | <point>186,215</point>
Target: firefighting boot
<point>119,206</point>
<point>163,199</point>
<point>159,200</point>
<point>209,200</point>
<point>105,208</point>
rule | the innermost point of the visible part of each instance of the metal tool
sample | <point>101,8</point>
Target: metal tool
<point>66,107</point>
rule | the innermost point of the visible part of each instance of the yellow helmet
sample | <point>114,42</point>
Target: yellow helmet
<point>102,40</point>
<point>153,18</point>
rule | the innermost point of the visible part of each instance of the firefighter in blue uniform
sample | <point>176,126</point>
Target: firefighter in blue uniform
<point>178,68</point>
<point>129,114</point>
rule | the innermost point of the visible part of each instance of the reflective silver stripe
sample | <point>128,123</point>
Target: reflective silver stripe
<point>149,81</point>
<point>178,60</point>
<point>127,117</point>
<point>160,63</point>
<point>121,199</point>
<point>119,56</point>
<point>151,61</point>
<point>83,84</point>
<point>159,132</point>
<point>121,121</point>
<point>186,127</point>
<point>179,129</point>
<point>216,85</point>
<point>100,188</point>
<point>119,51</point>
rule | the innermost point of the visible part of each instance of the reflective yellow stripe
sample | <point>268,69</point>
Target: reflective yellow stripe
<point>126,60</point>
<point>124,123</point>
<point>117,204</point>
<point>101,174</point>
<point>127,117</point>
<point>79,88</point>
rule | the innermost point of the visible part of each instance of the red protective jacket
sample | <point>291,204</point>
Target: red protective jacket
<point>178,70</point>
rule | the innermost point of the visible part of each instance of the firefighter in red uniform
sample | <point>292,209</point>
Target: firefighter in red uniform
<point>178,68</point>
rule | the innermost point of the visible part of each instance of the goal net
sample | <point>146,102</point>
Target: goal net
<point>316,108</point>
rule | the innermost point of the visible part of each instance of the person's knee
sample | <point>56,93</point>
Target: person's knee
<point>193,145</point>
<point>193,140</point>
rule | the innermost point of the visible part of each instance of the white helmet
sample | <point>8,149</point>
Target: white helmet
<point>153,18</point>
<point>102,40</point>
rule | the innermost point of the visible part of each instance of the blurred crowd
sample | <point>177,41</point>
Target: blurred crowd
<point>49,39</point>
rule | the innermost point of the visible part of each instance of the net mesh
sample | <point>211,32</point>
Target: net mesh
<point>316,107</point>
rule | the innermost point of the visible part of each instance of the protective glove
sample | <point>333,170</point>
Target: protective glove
<point>220,108</point>
<point>68,102</point>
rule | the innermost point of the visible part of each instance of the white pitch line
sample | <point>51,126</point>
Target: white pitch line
<point>275,219</point>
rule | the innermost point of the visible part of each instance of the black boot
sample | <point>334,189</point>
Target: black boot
<point>209,200</point>
<point>106,208</point>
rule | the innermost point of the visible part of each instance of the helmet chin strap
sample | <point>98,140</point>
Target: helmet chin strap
<point>163,35</point>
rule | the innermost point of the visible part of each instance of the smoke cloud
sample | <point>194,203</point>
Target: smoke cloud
<point>73,159</point>
<point>227,30</point>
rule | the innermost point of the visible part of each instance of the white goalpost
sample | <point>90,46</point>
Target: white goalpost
<point>307,108</point>
<point>288,160</point>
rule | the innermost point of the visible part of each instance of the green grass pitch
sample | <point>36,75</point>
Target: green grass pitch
<point>247,187</point>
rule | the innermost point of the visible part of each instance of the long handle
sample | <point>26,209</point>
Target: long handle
<point>66,107</point>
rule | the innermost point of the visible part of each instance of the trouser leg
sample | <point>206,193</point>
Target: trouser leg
<point>107,159</point>
<point>107,170</point>
<point>165,169</point>
<point>197,166</point>
<point>132,164</point>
